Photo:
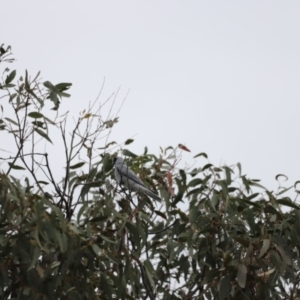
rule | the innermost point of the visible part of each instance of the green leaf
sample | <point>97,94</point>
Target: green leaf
<point>10,77</point>
<point>43,134</point>
<point>43,182</point>
<point>99,219</point>
<point>246,183</point>
<point>134,231</point>
<point>276,260</point>
<point>224,187</point>
<point>281,175</point>
<point>63,86</point>
<point>201,154</point>
<point>107,145</point>
<point>36,76</point>
<point>36,254</point>
<point>49,121</point>
<point>15,167</point>
<point>242,241</point>
<point>59,239</point>
<point>240,168</point>
<point>272,210</point>
<point>149,268</point>
<point>129,153</point>
<point>295,185</point>
<point>196,191</point>
<point>2,50</point>
<point>11,121</point>
<point>12,97</point>
<point>160,214</point>
<point>181,214</point>
<point>41,102</point>
<point>264,248</point>
<point>287,202</point>
<point>195,182</point>
<point>253,183</point>
<point>183,176</point>
<point>242,275</point>
<point>207,166</point>
<point>285,258</point>
<point>224,287</point>
<point>215,200</point>
<point>54,99</point>
<point>96,249</point>
<point>212,274</point>
<point>51,87</point>
<point>228,172</point>
<point>38,124</point>
<point>129,141</point>
<point>26,291</point>
<point>77,165</point>
<point>107,239</point>
<point>66,95</point>
<point>85,189</point>
<point>35,115</point>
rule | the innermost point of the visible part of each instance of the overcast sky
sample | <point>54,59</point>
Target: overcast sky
<point>221,77</point>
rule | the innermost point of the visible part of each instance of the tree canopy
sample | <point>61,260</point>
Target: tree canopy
<point>217,234</point>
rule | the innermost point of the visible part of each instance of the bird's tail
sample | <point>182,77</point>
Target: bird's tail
<point>152,194</point>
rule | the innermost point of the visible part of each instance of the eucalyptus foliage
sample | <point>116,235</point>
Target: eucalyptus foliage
<point>217,234</point>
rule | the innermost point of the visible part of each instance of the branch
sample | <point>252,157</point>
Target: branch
<point>144,278</point>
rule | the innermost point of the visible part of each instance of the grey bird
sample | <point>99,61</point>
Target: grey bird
<point>126,177</point>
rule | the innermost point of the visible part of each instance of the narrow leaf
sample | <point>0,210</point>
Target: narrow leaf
<point>182,147</point>
<point>96,249</point>
<point>134,231</point>
<point>10,77</point>
<point>281,175</point>
<point>224,287</point>
<point>63,86</point>
<point>77,165</point>
<point>195,182</point>
<point>264,248</point>
<point>49,121</point>
<point>43,134</point>
<point>160,214</point>
<point>15,167</point>
<point>129,141</point>
<point>128,153</point>
<point>35,115</point>
<point>43,182</point>
<point>11,121</point>
<point>287,202</point>
<point>240,168</point>
<point>242,275</point>
<point>201,154</point>
<point>212,274</point>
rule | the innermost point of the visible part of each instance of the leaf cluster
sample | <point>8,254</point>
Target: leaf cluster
<point>217,234</point>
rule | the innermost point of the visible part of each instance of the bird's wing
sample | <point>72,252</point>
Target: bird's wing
<point>125,172</point>
<point>130,180</point>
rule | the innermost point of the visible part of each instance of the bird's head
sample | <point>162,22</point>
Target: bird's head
<point>117,160</point>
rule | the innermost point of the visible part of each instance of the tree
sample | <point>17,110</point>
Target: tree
<point>217,234</point>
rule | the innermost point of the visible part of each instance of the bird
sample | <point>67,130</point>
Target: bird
<point>126,177</point>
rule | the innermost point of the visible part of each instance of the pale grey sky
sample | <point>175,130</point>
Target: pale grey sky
<point>221,77</point>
